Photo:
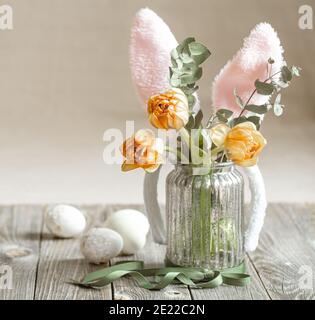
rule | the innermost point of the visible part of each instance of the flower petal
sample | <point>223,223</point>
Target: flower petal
<point>128,167</point>
<point>219,133</point>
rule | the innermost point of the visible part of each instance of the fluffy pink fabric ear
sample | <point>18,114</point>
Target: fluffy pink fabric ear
<point>246,66</point>
<point>151,44</point>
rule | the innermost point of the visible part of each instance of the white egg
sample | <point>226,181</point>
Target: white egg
<point>65,221</point>
<point>132,225</point>
<point>100,245</point>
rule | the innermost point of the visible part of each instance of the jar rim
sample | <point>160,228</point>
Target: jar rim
<point>214,165</point>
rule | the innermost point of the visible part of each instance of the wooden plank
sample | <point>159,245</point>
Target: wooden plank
<point>285,254</point>
<point>61,260</point>
<point>153,255</point>
<point>19,249</point>
<point>303,216</point>
<point>254,291</point>
<point>284,257</point>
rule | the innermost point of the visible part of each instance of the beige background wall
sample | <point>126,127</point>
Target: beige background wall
<point>65,64</point>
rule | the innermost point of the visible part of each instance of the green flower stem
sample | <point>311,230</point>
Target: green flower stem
<point>203,210</point>
<point>185,135</point>
<point>194,150</point>
<point>217,150</point>
<point>210,212</point>
<point>180,155</point>
<point>194,222</point>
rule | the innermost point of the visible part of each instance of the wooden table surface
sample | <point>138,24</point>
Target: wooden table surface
<point>281,268</point>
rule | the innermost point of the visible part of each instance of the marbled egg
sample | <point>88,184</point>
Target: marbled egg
<point>99,245</point>
<point>65,221</point>
<point>132,225</point>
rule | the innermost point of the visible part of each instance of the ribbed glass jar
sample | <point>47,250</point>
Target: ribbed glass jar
<point>204,212</point>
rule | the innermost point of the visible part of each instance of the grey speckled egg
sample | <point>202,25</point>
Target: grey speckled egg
<point>99,245</point>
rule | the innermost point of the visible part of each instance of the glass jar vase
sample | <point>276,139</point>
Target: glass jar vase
<point>205,216</point>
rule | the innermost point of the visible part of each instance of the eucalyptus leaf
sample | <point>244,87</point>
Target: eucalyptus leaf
<point>197,73</point>
<point>260,109</point>
<point>286,74</point>
<point>255,120</point>
<point>175,81</point>
<point>184,44</point>
<point>264,88</point>
<point>278,99</point>
<point>190,79</point>
<point>199,52</point>
<point>239,120</point>
<point>191,123</point>
<point>201,58</point>
<point>186,58</point>
<point>295,71</point>
<point>171,71</point>
<point>188,90</point>
<point>187,79</point>
<point>191,100</point>
<point>174,54</point>
<point>282,84</point>
<point>173,62</point>
<point>238,99</point>
<point>191,64</point>
<point>197,49</point>
<point>179,63</point>
<point>198,119</point>
<point>224,114</point>
<point>176,71</point>
<point>278,109</point>
<point>190,70</point>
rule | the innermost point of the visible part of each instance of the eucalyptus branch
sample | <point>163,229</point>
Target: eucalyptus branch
<point>253,93</point>
<point>210,120</point>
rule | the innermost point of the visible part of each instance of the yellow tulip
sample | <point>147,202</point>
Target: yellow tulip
<point>142,150</point>
<point>169,110</point>
<point>244,143</point>
<point>219,133</point>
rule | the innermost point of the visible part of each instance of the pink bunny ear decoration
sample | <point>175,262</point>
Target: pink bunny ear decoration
<point>151,44</point>
<point>249,64</point>
<point>246,66</point>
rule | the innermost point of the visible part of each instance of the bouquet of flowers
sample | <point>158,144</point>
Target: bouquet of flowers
<point>228,135</point>
<point>165,74</point>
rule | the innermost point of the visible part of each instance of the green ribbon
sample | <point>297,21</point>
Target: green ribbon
<point>195,277</point>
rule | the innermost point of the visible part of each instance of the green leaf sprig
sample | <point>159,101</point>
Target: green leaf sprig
<point>268,87</point>
<point>185,71</point>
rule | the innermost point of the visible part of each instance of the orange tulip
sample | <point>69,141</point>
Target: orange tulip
<point>142,150</point>
<point>169,110</point>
